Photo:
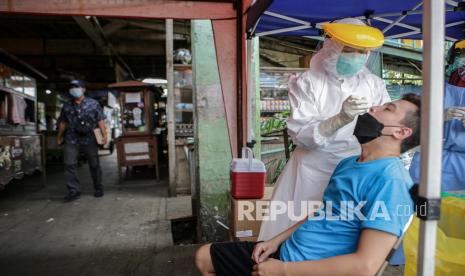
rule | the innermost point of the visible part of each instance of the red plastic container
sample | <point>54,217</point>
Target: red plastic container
<point>247,177</point>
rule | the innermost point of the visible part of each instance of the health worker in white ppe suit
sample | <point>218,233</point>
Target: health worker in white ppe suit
<point>325,101</point>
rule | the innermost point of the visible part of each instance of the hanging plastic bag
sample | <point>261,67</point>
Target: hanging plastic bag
<point>450,242</point>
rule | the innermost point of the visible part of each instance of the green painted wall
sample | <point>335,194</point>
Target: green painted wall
<point>255,68</point>
<point>213,152</point>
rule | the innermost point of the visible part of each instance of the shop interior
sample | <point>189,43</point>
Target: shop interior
<point>123,64</point>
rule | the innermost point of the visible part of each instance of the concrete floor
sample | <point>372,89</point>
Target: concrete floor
<point>127,232</point>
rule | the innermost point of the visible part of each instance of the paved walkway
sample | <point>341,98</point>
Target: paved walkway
<point>127,232</point>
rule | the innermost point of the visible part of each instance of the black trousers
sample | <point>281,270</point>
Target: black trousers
<point>234,258</point>
<point>72,153</point>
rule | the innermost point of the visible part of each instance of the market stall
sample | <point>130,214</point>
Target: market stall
<point>137,145</point>
<point>21,146</point>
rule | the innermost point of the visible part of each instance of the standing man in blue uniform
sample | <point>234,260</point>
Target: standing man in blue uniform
<point>78,119</point>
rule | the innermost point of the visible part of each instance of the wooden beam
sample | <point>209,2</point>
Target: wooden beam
<point>270,60</point>
<point>133,8</point>
<point>96,34</point>
<point>145,34</point>
<point>77,47</point>
<point>92,33</point>
<point>113,27</point>
<point>170,108</point>
<point>284,46</point>
<point>304,62</point>
<point>39,46</point>
<point>154,25</point>
<point>151,48</point>
<point>224,32</point>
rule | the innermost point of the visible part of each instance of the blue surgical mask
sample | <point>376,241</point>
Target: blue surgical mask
<point>348,64</point>
<point>458,63</point>
<point>76,92</point>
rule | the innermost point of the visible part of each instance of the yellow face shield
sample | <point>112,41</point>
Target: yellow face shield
<point>355,36</point>
<point>460,45</point>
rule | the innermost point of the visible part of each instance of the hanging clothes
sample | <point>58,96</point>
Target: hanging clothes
<point>17,109</point>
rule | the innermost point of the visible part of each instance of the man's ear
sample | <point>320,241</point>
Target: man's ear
<point>402,133</point>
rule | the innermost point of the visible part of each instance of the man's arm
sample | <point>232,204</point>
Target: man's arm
<point>103,129</point>
<point>61,130</point>
<point>373,247</point>
<point>283,236</point>
<point>264,249</point>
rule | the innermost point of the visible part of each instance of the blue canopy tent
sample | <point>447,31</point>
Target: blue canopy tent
<point>434,21</point>
<point>397,19</point>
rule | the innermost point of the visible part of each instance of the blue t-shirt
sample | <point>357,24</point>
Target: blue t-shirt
<point>373,194</point>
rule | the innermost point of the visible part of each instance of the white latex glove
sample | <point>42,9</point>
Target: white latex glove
<point>454,112</point>
<point>351,107</point>
<point>354,106</point>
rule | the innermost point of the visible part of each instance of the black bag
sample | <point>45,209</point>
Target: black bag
<point>84,124</point>
<point>83,128</point>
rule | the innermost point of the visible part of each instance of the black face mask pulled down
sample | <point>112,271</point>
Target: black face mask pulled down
<point>368,128</point>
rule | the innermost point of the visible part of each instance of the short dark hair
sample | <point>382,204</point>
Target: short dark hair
<point>412,120</point>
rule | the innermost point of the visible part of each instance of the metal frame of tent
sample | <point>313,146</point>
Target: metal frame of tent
<point>226,20</point>
<point>383,17</point>
<point>433,35</point>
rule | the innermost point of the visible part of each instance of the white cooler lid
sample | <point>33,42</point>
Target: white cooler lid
<point>243,165</point>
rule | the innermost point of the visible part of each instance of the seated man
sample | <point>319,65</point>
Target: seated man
<point>376,181</point>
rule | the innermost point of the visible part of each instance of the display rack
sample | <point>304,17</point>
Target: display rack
<point>137,144</point>
<point>184,125</point>
<point>274,104</point>
<point>184,112</point>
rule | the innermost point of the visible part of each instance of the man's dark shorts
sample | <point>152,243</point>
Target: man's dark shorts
<point>234,258</point>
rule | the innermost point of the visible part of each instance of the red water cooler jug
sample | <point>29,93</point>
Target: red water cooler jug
<point>247,176</point>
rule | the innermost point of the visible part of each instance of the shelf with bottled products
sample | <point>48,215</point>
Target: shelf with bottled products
<point>183,93</point>
<point>274,89</point>
<point>274,109</point>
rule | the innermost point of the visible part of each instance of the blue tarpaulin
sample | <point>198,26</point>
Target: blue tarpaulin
<point>396,18</point>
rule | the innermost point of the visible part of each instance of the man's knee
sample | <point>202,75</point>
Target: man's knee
<point>71,167</point>
<point>93,160</point>
<point>203,259</point>
<point>71,153</point>
<point>94,164</point>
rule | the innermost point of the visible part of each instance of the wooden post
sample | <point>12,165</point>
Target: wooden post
<point>119,73</point>
<point>170,107</point>
<point>304,62</point>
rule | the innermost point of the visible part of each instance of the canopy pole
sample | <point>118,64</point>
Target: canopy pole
<point>431,124</point>
<point>239,52</point>
<point>250,91</point>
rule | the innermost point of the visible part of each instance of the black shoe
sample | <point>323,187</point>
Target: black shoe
<point>71,197</point>
<point>98,193</point>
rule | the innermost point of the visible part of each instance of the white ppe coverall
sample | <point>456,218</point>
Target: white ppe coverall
<point>315,96</point>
